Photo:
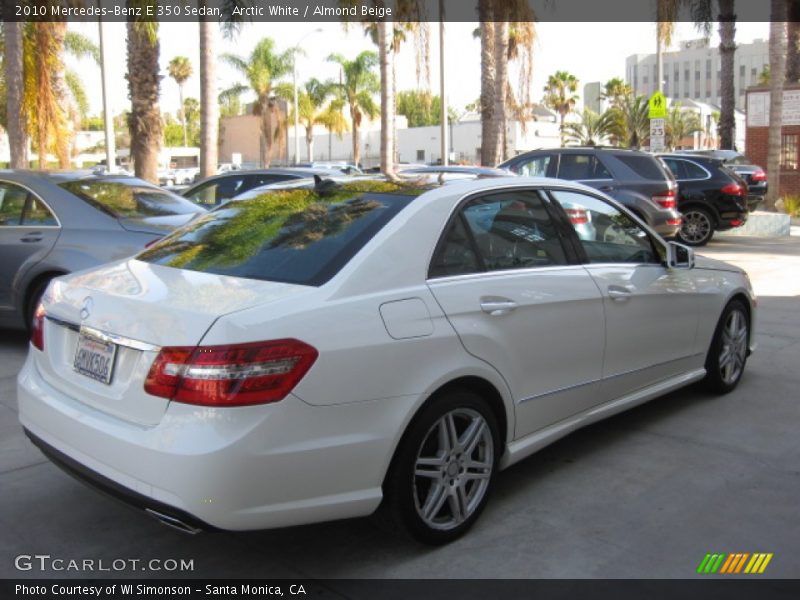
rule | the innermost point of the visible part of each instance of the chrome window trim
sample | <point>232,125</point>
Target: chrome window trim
<point>503,273</point>
<point>699,166</point>
<point>39,198</point>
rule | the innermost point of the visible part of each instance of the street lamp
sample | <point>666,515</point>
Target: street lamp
<point>294,84</point>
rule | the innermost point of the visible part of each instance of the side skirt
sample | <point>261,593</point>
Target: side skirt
<point>524,447</point>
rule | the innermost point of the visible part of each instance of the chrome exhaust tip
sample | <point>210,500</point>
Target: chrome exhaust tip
<point>173,522</point>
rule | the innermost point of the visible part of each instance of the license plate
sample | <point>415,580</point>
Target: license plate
<point>94,358</point>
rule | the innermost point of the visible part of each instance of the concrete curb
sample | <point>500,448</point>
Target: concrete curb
<point>763,224</point>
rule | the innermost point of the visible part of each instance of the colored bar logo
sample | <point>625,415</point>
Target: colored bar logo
<point>734,564</point>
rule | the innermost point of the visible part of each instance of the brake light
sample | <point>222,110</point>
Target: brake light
<point>230,375</point>
<point>37,328</point>
<point>665,199</point>
<point>674,221</point>
<point>733,189</point>
<point>577,216</point>
<point>737,223</point>
<point>758,176</point>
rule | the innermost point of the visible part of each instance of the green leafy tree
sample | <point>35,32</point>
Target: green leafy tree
<point>263,70</point>
<point>592,130</point>
<point>421,108</point>
<point>631,121</point>
<point>180,69</point>
<point>680,124</point>
<point>359,85</point>
<point>559,95</point>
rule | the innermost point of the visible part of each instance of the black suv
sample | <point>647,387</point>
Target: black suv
<point>636,179</point>
<point>754,176</point>
<point>711,197</point>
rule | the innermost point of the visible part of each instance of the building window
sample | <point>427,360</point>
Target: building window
<point>753,76</point>
<point>686,71</point>
<point>421,155</point>
<point>789,152</point>
<point>741,73</point>
<point>708,69</point>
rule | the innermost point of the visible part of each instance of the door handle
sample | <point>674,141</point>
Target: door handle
<point>497,306</point>
<point>33,236</point>
<point>607,188</point>
<point>619,293</point>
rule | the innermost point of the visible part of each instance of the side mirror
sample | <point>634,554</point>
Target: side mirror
<point>679,256</point>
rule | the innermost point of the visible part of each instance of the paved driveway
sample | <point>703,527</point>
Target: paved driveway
<point>645,494</point>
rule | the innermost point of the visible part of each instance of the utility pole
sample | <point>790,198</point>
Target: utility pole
<point>443,88</point>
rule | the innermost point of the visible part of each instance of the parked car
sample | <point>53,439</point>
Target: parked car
<point>59,222</point>
<point>186,176</point>
<point>635,179</point>
<point>335,165</point>
<point>368,345</point>
<point>711,197</point>
<point>218,189</point>
<point>754,176</point>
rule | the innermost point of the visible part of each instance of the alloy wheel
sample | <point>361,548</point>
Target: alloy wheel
<point>734,347</point>
<point>696,228</point>
<point>453,469</point>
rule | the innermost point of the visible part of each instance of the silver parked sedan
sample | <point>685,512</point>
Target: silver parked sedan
<point>52,223</point>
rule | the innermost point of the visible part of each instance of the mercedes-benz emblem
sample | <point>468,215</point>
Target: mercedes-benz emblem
<point>86,310</point>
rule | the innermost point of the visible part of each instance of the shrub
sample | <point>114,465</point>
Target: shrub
<point>791,204</point>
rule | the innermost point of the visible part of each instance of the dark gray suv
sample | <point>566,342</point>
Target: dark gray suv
<point>636,179</point>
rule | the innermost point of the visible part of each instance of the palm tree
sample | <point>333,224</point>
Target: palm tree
<point>777,66</point>
<point>489,137</point>
<point>631,121</point>
<point>727,48</point>
<point>263,69</point>
<point>359,86</point>
<point>14,78</point>
<point>680,124</point>
<point>209,106</point>
<point>43,109</point>
<point>559,94</point>
<point>332,118</point>
<point>310,103</point>
<point>144,80</point>
<point>386,58</point>
<point>793,42</point>
<point>180,69</point>
<point>592,130</point>
<point>615,91</point>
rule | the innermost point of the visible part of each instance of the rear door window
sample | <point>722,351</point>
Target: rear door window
<point>645,166</point>
<point>38,215</point>
<point>581,167</point>
<point>299,235</point>
<point>12,203</point>
<point>535,167</point>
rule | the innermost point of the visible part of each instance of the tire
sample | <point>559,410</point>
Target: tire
<point>727,355</point>
<point>435,489</point>
<point>697,227</point>
<point>36,293</point>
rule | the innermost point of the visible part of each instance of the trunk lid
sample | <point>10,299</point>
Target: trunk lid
<point>137,308</point>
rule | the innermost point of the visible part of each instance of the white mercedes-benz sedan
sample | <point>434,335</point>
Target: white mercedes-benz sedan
<point>331,349</point>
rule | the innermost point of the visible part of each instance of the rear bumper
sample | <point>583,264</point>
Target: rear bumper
<point>275,465</point>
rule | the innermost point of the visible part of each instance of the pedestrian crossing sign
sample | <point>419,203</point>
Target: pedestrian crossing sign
<point>657,106</point>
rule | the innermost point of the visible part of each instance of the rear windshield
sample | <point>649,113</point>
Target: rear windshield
<point>299,235</point>
<point>645,167</point>
<point>129,198</point>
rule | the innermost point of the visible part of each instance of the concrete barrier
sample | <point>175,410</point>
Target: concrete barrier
<point>762,224</point>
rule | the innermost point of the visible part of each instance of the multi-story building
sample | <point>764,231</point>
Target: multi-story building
<point>693,72</point>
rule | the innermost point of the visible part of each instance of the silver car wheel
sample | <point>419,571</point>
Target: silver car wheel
<point>734,347</point>
<point>696,227</point>
<point>453,468</point>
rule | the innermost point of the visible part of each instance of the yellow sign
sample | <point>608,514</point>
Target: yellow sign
<point>657,106</point>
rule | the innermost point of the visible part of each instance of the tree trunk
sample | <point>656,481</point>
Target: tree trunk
<point>310,143</point>
<point>488,129</point>
<point>209,103</point>
<point>183,115</point>
<point>777,65</point>
<point>143,87</point>
<point>793,43</point>
<point>15,126</point>
<point>356,144</point>
<point>266,133</point>
<point>727,48</point>
<point>386,58</point>
<point>499,117</point>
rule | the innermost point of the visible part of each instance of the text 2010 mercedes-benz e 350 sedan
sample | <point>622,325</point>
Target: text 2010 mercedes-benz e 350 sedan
<point>329,349</point>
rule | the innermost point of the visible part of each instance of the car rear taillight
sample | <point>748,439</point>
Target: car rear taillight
<point>577,216</point>
<point>37,328</point>
<point>758,176</point>
<point>674,221</point>
<point>230,375</point>
<point>733,189</point>
<point>737,223</point>
<point>665,199</point>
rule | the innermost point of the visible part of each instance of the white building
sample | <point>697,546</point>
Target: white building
<point>693,71</point>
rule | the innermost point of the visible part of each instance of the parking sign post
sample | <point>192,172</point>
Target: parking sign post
<point>657,111</point>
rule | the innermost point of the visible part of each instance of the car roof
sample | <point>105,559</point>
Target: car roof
<point>475,170</point>
<point>58,176</point>
<point>704,158</point>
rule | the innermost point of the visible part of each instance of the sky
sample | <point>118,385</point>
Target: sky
<point>590,51</point>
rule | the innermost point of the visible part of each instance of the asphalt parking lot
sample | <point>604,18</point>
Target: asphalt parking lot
<point>645,494</point>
